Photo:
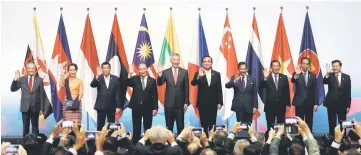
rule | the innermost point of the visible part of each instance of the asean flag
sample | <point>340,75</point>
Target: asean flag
<point>308,49</point>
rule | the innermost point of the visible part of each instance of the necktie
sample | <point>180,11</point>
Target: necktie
<point>143,83</point>
<point>243,82</point>
<point>306,78</point>
<point>30,83</point>
<point>175,75</point>
<point>276,82</point>
<point>338,82</point>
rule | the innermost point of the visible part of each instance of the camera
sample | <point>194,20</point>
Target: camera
<point>67,124</point>
<point>291,125</point>
<point>347,124</point>
<point>197,131</point>
<point>219,127</point>
<point>244,126</point>
<point>114,126</point>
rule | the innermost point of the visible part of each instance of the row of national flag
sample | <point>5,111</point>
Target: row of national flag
<point>88,61</point>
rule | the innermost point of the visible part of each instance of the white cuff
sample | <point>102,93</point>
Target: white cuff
<point>99,153</point>
<point>73,151</point>
<point>310,136</point>
<point>253,139</point>
<point>142,141</point>
<point>173,144</point>
<point>50,141</point>
<point>335,145</point>
<point>180,139</point>
<point>304,139</point>
<point>359,141</point>
<point>231,136</point>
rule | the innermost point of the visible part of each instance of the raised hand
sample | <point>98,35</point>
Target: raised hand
<point>298,70</point>
<point>266,73</point>
<point>200,72</point>
<point>131,69</point>
<point>99,72</point>
<point>237,75</point>
<point>160,68</point>
<point>328,68</point>
<point>17,75</point>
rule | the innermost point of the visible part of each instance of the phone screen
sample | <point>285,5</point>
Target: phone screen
<point>347,124</point>
<point>67,124</point>
<point>91,134</point>
<point>114,126</point>
<point>243,126</point>
<point>219,127</point>
<point>291,121</point>
<point>276,127</point>
<point>12,149</point>
<point>197,131</point>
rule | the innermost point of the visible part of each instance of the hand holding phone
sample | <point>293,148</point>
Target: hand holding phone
<point>197,132</point>
<point>12,149</point>
<point>219,127</point>
<point>67,124</point>
<point>347,124</point>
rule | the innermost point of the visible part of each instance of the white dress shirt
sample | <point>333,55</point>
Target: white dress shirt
<point>145,81</point>
<point>107,79</point>
<point>208,76</point>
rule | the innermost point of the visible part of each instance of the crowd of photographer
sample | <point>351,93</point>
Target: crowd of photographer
<point>241,140</point>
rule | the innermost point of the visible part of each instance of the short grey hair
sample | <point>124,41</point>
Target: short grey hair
<point>158,133</point>
<point>175,54</point>
<point>239,146</point>
<point>208,152</point>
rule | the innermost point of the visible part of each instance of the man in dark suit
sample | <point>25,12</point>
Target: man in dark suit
<point>277,94</point>
<point>306,98</point>
<point>209,97</point>
<point>244,102</point>
<point>176,96</point>
<point>32,97</point>
<point>338,98</point>
<point>144,100</point>
<point>108,102</point>
<point>158,136</point>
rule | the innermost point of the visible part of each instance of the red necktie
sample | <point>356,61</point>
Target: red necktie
<point>175,75</point>
<point>30,84</point>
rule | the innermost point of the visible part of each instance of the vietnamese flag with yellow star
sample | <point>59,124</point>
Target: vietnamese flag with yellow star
<point>282,53</point>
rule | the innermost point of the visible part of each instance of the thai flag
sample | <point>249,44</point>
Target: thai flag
<point>60,59</point>
<point>255,64</point>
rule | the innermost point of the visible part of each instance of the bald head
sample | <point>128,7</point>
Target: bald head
<point>142,68</point>
<point>30,68</point>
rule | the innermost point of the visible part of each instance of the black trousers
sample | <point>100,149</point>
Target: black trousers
<point>208,117</point>
<point>305,112</point>
<point>137,115</point>
<point>273,117</point>
<point>335,114</point>
<point>34,117</point>
<point>244,117</point>
<point>102,114</point>
<point>174,114</point>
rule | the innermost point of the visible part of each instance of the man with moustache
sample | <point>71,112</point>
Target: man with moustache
<point>209,97</point>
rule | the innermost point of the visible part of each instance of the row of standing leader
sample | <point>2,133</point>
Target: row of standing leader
<point>144,100</point>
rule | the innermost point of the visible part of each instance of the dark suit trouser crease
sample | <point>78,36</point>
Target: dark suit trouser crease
<point>102,114</point>
<point>208,116</point>
<point>335,114</point>
<point>244,117</point>
<point>34,117</point>
<point>274,116</point>
<point>174,114</point>
<point>305,112</point>
<point>137,115</point>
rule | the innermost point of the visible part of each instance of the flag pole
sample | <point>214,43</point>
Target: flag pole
<point>255,121</point>
<point>87,113</point>
<point>224,108</point>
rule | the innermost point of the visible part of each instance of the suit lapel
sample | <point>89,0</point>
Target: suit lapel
<point>148,83</point>
<point>34,83</point>
<point>342,80</point>
<point>273,82</point>
<point>27,83</point>
<point>171,75</point>
<point>212,78</point>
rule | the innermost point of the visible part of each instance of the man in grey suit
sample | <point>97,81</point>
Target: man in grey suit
<point>176,96</point>
<point>32,97</point>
